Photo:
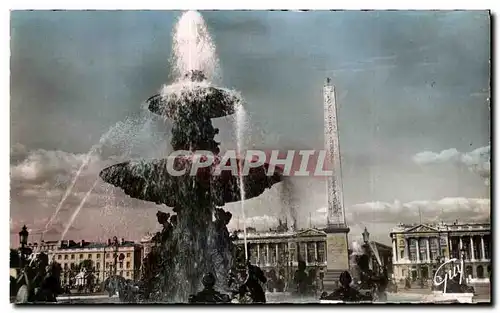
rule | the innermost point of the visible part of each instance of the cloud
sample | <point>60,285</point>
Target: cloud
<point>36,228</point>
<point>263,222</point>
<point>379,217</point>
<point>478,160</point>
<point>41,165</point>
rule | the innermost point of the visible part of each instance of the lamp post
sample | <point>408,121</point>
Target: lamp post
<point>23,241</point>
<point>366,236</point>
<point>366,245</point>
<point>115,254</point>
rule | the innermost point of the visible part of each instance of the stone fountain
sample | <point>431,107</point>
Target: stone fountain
<point>195,239</point>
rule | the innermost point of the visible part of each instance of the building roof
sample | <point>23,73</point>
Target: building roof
<point>440,227</point>
<point>282,234</point>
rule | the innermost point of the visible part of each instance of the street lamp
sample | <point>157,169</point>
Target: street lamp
<point>366,246</point>
<point>23,236</point>
<point>366,236</point>
<point>23,240</point>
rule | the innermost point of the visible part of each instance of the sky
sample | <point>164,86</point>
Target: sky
<point>412,89</point>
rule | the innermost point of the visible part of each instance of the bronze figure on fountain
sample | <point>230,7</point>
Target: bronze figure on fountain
<point>195,199</point>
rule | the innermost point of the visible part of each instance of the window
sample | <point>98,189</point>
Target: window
<point>263,254</point>
<point>128,254</point>
<point>413,250</point>
<point>303,251</point>
<point>121,273</point>
<point>81,256</point>
<point>65,256</point>
<point>98,256</point>
<point>98,265</point>
<point>128,265</point>
<point>293,256</point>
<point>108,265</point>
<point>107,255</point>
<point>127,274</point>
<point>59,257</point>
<point>311,253</point>
<point>90,256</point>
<point>402,254</point>
<point>321,251</point>
<point>65,266</point>
<point>121,264</point>
<point>480,272</point>
<point>72,256</point>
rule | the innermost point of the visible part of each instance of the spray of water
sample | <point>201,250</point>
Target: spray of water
<point>70,187</point>
<point>123,131</point>
<point>193,47</point>
<point>240,129</point>
<point>77,210</point>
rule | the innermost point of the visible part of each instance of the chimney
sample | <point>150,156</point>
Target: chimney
<point>83,243</point>
<point>109,242</point>
<point>123,241</point>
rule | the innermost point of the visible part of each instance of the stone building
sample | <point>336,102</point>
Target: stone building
<point>418,250</point>
<point>71,254</point>
<point>280,251</point>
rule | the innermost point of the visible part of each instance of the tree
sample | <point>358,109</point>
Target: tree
<point>88,265</point>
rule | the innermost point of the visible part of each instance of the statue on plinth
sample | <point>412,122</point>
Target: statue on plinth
<point>246,281</point>
<point>39,281</point>
<point>345,292</point>
<point>209,294</point>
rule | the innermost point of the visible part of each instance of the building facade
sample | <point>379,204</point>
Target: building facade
<point>418,250</point>
<point>280,252</point>
<point>122,258</point>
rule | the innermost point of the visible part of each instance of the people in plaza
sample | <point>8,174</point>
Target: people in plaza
<point>301,279</point>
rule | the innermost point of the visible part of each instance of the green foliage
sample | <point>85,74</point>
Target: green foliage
<point>87,264</point>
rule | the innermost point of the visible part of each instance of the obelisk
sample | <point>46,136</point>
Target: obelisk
<point>337,230</point>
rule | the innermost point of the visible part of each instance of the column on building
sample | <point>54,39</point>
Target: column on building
<point>461,245</point>
<point>394,252</point>
<point>407,249</point>
<point>305,252</point>
<point>450,245</point>
<point>277,253</point>
<point>267,253</point>
<point>428,249</point>
<point>418,249</point>
<point>315,251</point>
<point>258,253</point>
<point>483,254</point>
<point>472,256</point>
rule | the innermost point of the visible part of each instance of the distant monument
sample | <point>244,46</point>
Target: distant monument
<point>337,230</point>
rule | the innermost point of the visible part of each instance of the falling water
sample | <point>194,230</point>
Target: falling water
<point>240,128</point>
<point>116,134</point>
<point>77,210</point>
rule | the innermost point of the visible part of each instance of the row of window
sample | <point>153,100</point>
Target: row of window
<point>310,252</point>
<point>120,273</point>
<point>98,265</point>
<point>89,256</point>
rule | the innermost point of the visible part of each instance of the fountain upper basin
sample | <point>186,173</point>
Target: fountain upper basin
<point>200,97</point>
<point>151,180</point>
